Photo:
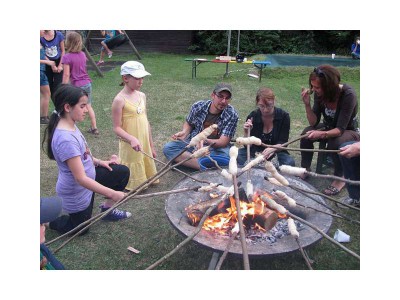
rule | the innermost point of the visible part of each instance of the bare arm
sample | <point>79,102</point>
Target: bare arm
<point>181,135</point>
<point>222,142</point>
<point>62,47</point>
<point>78,171</point>
<point>66,74</point>
<point>311,117</point>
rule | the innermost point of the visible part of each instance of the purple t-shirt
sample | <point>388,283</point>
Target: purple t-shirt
<point>52,47</point>
<point>77,68</point>
<point>67,144</point>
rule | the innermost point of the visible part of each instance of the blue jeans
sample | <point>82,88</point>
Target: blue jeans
<point>173,148</point>
<point>351,170</point>
<point>283,158</point>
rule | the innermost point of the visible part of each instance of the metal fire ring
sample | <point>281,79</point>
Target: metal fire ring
<point>175,209</point>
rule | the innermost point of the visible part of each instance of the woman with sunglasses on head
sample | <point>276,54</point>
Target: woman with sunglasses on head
<point>270,124</point>
<point>337,104</point>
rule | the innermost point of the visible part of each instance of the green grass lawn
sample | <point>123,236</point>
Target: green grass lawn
<point>170,92</point>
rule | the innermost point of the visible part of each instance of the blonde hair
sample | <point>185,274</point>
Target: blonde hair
<point>74,42</point>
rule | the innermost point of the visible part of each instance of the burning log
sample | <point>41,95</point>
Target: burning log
<point>196,211</point>
<point>267,219</point>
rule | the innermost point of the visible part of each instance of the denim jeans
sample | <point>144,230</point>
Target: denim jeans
<point>173,148</point>
<point>351,170</point>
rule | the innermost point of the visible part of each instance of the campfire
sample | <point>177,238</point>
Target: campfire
<point>266,230</point>
<point>261,222</point>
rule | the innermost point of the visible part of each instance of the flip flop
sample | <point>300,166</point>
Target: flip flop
<point>331,191</point>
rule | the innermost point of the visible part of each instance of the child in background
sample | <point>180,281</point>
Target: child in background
<point>132,126</point>
<point>80,175</point>
<point>355,48</point>
<point>45,93</point>
<point>75,72</point>
<point>108,35</point>
<point>53,44</point>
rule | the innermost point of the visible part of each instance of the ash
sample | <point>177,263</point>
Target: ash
<point>254,236</point>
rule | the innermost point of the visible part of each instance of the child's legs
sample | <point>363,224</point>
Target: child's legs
<point>103,43</point>
<point>117,179</point>
<point>44,95</point>
<point>88,89</point>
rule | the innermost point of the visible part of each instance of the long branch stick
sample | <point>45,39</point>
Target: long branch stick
<point>189,238</point>
<point>323,234</point>
<point>300,149</point>
<point>325,196</point>
<point>305,193</point>
<point>353,182</point>
<point>304,255</point>
<point>246,262</point>
<point>226,251</point>
<point>96,218</point>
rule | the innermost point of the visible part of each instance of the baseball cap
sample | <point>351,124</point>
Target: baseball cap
<point>50,209</point>
<point>223,87</point>
<point>134,68</point>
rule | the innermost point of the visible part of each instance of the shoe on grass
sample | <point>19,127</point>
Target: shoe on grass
<point>44,120</point>
<point>100,62</point>
<point>110,55</point>
<point>116,214</point>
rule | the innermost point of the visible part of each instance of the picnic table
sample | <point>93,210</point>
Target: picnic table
<point>259,64</point>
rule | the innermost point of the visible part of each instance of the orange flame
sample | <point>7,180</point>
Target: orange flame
<point>225,222</point>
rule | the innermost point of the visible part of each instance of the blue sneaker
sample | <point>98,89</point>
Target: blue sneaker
<point>116,214</point>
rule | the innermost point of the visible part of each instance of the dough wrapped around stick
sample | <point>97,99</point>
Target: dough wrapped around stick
<point>226,174</point>
<point>201,152</point>
<point>202,135</point>
<point>233,153</point>
<point>295,171</point>
<point>249,189</point>
<point>251,140</point>
<point>284,196</point>
<point>274,181</point>
<point>226,190</point>
<point>270,168</point>
<point>208,188</point>
<point>253,162</point>
<point>273,205</point>
<point>292,228</point>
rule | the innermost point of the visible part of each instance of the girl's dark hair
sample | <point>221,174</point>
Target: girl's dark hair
<point>329,77</point>
<point>65,94</point>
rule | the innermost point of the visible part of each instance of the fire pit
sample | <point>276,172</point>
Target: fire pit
<point>175,209</point>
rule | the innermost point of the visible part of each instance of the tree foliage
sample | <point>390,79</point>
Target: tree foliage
<point>275,41</point>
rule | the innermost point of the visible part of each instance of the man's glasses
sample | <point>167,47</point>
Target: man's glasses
<point>221,97</point>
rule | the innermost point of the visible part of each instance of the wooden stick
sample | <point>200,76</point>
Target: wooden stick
<point>300,149</point>
<point>96,218</point>
<point>188,239</point>
<point>325,196</point>
<point>303,192</point>
<point>353,182</point>
<point>226,251</point>
<point>303,253</point>
<point>175,169</point>
<point>323,234</point>
<point>246,262</point>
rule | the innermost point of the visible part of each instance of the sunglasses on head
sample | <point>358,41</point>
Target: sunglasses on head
<point>319,72</point>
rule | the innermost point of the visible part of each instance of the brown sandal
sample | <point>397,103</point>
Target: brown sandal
<point>94,131</point>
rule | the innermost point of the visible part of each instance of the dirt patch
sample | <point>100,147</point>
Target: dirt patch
<point>106,66</point>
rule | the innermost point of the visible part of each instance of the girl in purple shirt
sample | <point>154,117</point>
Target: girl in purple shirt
<point>74,63</point>
<point>80,175</point>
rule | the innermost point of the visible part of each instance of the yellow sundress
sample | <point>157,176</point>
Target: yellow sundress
<point>135,122</point>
